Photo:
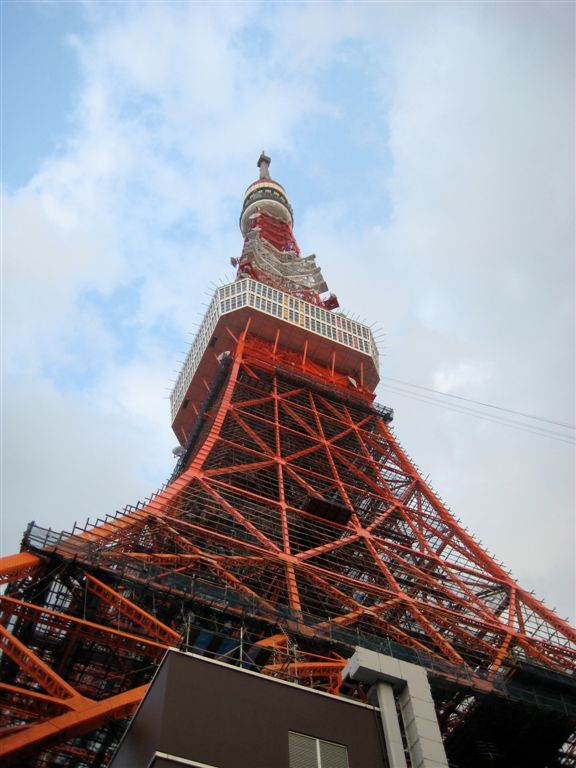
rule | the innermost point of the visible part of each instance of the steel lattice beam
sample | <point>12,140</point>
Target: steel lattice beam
<point>298,511</point>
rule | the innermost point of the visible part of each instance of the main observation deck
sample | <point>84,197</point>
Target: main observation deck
<point>329,338</point>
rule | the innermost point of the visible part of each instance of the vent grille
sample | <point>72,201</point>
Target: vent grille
<point>303,751</point>
<point>308,752</point>
<point>332,755</point>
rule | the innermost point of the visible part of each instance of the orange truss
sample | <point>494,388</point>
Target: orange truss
<point>295,513</point>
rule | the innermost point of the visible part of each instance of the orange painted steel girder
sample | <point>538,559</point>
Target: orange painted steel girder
<point>126,607</point>
<point>81,720</point>
<point>14,567</point>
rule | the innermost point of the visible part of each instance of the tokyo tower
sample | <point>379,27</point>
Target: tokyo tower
<point>293,530</point>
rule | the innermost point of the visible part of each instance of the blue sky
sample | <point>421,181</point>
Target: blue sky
<point>428,152</point>
<point>40,79</point>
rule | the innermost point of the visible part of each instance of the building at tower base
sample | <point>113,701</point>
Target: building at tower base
<point>294,530</point>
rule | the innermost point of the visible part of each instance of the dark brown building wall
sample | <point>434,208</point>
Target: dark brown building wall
<point>225,717</point>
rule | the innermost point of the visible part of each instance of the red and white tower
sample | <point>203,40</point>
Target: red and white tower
<point>294,529</point>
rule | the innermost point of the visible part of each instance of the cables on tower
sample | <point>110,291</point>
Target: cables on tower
<point>526,422</point>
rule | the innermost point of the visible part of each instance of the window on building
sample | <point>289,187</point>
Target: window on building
<point>308,752</point>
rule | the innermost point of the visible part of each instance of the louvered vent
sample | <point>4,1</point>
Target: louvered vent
<point>332,755</point>
<point>302,750</point>
<point>308,752</point>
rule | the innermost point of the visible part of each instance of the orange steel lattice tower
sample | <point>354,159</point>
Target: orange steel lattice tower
<point>293,529</point>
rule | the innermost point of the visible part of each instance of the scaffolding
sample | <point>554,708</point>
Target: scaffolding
<point>296,529</point>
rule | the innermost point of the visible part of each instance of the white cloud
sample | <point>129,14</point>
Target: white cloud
<point>465,376</point>
<point>45,266</point>
<point>67,458</point>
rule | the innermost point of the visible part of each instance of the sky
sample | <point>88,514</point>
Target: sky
<point>428,152</point>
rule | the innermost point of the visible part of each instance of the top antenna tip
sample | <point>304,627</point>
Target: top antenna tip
<point>264,163</point>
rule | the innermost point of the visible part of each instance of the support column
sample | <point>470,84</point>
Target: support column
<point>419,718</point>
<point>392,678</point>
<point>390,725</point>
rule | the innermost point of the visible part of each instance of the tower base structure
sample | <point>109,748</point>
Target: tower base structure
<point>295,529</point>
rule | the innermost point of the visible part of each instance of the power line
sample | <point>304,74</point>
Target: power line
<point>495,419</point>
<point>485,405</point>
<point>532,428</point>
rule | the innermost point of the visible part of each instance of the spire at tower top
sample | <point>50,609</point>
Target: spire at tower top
<point>264,164</point>
<point>266,195</point>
